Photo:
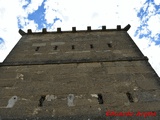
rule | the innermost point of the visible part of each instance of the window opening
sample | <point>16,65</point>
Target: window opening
<point>109,45</point>
<point>73,47</point>
<point>100,99</point>
<point>41,100</point>
<point>91,46</point>
<point>130,98</point>
<point>56,47</point>
<point>37,48</point>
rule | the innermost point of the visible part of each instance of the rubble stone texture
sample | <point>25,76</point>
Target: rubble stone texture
<point>77,75</point>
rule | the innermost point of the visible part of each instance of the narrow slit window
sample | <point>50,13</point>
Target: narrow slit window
<point>73,47</point>
<point>91,46</point>
<point>100,99</point>
<point>130,98</point>
<point>37,48</point>
<point>41,100</point>
<point>56,47</point>
<point>109,45</point>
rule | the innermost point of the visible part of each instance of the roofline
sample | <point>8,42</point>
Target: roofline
<point>44,30</point>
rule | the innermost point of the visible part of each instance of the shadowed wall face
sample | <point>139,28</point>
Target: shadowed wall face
<point>70,47</point>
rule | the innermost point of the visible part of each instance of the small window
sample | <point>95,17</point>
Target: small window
<point>37,48</point>
<point>109,45</point>
<point>55,47</point>
<point>91,46</point>
<point>73,47</point>
<point>130,98</point>
<point>100,99</point>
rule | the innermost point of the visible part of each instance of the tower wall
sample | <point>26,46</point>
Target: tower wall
<point>69,47</point>
<point>89,73</point>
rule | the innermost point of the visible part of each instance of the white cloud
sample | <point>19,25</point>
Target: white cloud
<point>8,25</point>
<point>157,2</point>
<point>81,13</point>
<point>28,24</point>
<point>33,6</point>
<point>86,12</point>
<point>153,22</point>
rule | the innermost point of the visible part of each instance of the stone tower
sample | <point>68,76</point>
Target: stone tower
<point>78,75</point>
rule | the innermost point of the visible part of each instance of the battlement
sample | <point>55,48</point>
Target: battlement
<point>75,46</point>
<point>89,29</point>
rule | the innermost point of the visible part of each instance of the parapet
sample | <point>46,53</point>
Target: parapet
<point>89,29</point>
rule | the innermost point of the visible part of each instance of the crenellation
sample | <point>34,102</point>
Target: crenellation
<point>103,28</point>
<point>118,27</point>
<point>44,30</point>
<point>127,27</point>
<point>73,29</point>
<point>59,30</point>
<point>29,31</point>
<point>88,28</point>
<point>21,32</point>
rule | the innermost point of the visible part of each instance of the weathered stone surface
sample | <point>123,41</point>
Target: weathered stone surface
<point>148,96</point>
<point>91,66</point>
<point>65,52</point>
<point>7,83</point>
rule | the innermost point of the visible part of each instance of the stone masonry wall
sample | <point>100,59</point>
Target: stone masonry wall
<point>84,80</point>
<point>71,47</point>
<point>71,75</point>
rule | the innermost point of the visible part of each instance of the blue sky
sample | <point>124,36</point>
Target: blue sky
<point>1,40</point>
<point>143,15</point>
